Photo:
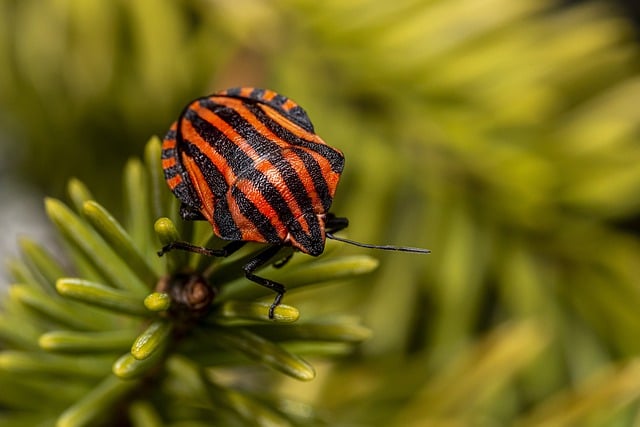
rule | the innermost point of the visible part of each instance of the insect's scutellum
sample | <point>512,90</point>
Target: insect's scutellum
<point>248,161</point>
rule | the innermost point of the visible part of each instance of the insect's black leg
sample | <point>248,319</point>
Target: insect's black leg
<point>190,214</point>
<point>225,251</point>
<point>258,261</point>
<point>281,262</point>
<point>334,224</point>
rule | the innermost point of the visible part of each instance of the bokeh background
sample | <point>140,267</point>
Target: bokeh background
<point>503,135</point>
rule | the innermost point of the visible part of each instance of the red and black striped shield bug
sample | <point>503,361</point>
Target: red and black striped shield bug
<point>248,161</point>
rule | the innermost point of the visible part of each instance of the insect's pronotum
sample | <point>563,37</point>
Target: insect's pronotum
<point>248,161</point>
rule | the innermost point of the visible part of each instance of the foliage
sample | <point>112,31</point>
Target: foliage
<point>502,135</point>
<point>135,338</point>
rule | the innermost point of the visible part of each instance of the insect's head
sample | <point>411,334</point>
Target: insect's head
<point>307,234</point>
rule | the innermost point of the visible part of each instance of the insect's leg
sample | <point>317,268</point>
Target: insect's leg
<point>281,262</point>
<point>258,261</point>
<point>334,224</point>
<point>190,214</point>
<point>225,251</point>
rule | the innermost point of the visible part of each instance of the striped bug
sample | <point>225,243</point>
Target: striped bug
<point>248,161</point>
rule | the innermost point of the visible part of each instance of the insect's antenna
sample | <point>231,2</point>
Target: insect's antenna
<point>383,247</point>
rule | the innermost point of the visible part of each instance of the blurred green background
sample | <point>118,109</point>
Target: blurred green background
<point>503,135</point>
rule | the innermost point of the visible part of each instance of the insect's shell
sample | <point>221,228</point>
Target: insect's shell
<point>248,161</point>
